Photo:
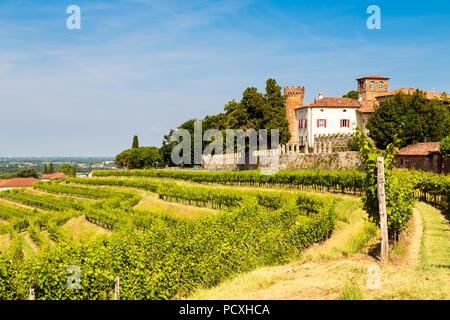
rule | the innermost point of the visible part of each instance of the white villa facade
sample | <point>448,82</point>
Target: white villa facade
<point>331,115</point>
<point>326,116</point>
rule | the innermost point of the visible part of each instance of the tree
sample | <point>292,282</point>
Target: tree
<point>135,142</point>
<point>254,111</point>
<point>50,168</point>
<point>413,117</point>
<point>351,94</point>
<point>68,169</point>
<point>27,173</point>
<point>45,171</point>
<point>139,158</point>
<point>167,147</point>
<point>275,114</point>
<point>444,147</point>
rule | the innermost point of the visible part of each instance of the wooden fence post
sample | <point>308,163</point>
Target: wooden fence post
<point>32,297</point>
<point>117,289</point>
<point>382,208</point>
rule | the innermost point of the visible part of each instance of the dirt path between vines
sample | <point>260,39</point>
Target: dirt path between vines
<point>18,204</point>
<point>31,243</point>
<point>414,239</point>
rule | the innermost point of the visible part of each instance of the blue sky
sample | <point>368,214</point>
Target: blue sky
<point>145,66</point>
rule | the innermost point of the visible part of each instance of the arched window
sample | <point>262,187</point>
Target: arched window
<point>372,85</point>
<point>380,85</point>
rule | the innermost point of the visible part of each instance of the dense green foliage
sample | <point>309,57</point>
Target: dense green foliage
<point>135,142</point>
<point>351,94</point>
<point>431,188</point>
<point>444,147</point>
<point>68,169</point>
<point>26,173</point>
<point>413,118</point>
<point>398,192</point>
<point>50,168</point>
<point>139,158</point>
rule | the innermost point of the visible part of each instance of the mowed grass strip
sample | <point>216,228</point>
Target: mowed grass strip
<point>5,241</point>
<point>80,229</point>
<point>153,203</point>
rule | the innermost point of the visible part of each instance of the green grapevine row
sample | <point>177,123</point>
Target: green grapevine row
<point>46,202</point>
<point>342,181</point>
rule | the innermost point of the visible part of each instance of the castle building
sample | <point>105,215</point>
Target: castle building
<point>331,115</point>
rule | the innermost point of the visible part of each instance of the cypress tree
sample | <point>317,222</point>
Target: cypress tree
<point>50,168</point>
<point>45,171</point>
<point>135,142</point>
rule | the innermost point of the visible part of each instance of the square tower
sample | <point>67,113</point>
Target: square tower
<point>372,86</point>
<point>294,98</point>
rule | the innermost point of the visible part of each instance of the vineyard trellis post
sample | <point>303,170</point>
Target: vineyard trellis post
<point>382,209</point>
<point>32,296</point>
<point>117,289</point>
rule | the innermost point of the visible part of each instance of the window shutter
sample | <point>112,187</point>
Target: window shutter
<point>348,123</point>
<point>306,122</point>
<point>341,123</point>
<point>325,123</point>
<point>318,123</point>
<point>299,123</point>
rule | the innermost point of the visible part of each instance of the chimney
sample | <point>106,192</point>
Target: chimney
<point>320,95</point>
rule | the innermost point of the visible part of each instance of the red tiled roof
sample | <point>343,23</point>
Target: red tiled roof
<point>333,103</point>
<point>419,149</point>
<point>17,182</point>
<point>374,77</point>
<point>367,106</point>
<point>428,94</point>
<point>57,175</point>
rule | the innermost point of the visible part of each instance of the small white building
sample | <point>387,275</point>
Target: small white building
<point>326,116</point>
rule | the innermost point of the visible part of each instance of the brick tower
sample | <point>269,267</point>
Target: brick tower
<point>372,86</point>
<point>294,98</point>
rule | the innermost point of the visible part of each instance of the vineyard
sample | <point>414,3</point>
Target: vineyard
<point>156,256</point>
<point>258,220</point>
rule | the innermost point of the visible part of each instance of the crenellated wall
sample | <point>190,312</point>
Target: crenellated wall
<point>283,158</point>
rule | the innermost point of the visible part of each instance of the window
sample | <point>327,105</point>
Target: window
<point>302,123</point>
<point>345,123</point>
<point>321,123</point>
<point>380,85</point>
<point>372,85</point>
